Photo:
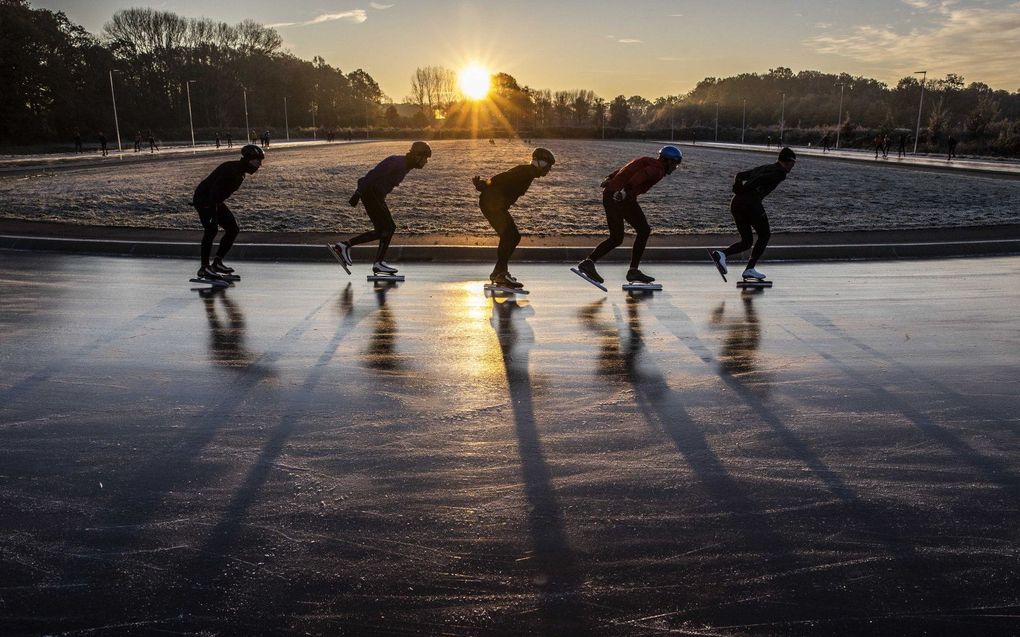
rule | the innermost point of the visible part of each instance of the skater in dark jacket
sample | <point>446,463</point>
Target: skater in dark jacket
<point>497,195</point>
<point>620,191</point>
<point>750,187</point>
<point>372,191</point>
<point>209,200</point>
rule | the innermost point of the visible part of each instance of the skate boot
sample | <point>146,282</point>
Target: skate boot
<point>218,267</point>
<point>206,275</point>
<point>720,261</point>
<point>587,267</point>
<point>751,273</point>
<point>344,250</point>
<point>381,267</point>
<point>637,276</point>
<point>504,280</point>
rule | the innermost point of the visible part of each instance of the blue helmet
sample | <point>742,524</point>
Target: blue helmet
<point>672,153</point>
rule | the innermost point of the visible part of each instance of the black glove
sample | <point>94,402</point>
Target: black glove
<point>355,198</point>
<point>738,188</point>
<point>479,183</point>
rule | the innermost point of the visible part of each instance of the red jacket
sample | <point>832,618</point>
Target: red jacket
<point>637,177</point>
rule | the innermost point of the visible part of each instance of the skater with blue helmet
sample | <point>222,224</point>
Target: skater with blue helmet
<point>620,191</point>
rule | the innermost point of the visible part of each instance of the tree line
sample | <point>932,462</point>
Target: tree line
<point>57,79</point>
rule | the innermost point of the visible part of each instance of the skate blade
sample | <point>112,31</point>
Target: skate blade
<point>754,284</point>
<point>499,290</point>
<point>386,277</point>
<point>642,287</point>
<point>589,279</point>
<point>215,284</point>
<point>230,277</point>
<point>339,257</point>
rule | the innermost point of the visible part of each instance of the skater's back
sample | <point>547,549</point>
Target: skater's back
<point>221,183</point>
<point>758,182</point>
<point>637,177</point>
<point>386,176</point>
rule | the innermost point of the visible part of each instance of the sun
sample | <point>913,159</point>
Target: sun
<point>474,81</point>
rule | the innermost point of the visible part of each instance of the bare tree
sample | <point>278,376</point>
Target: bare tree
<point>433,89</point>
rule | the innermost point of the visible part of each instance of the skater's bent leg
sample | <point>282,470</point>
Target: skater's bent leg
<point>207,240</point>
<point>385,236</point>
<point>614,219</point>
<point>509,237</point>
<point>230,228</point>
<point>746,239</point>
<point>761,226</point>
<point>636,218</point>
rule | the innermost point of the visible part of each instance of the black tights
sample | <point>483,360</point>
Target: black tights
<point>383,226</point>
<point>212,220</point>
<point>616,213</point>
<point>498,213</point>
<point>749,216</point>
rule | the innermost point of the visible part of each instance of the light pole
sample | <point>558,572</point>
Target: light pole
<point>247,130</point>
<point>839,119</point>
<point>917,132</point>
<point>191,121</point>
<point>671,129</point>
<point>315,106</point>
<point>782,121</point>
<point>743,122</point>
<point>286,123</point>
<point>116,122</point>
<point>717,121</point>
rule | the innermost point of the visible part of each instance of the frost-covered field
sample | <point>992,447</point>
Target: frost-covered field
<point>307,190</point>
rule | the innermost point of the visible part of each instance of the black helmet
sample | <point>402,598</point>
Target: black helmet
<point>420,148</point>
<point>787,154</point>
<point>543,154</point>
<point>251,151</point>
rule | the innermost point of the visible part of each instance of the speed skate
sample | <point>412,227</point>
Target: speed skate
<point>491,289</point>
<point>382,276</point>
<point>589,279</point>
<point>215,283</point>
<point>750,283</point>
<point>339,257</point>
<point>642,287</point>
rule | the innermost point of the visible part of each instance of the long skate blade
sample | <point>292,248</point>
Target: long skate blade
<point>503,291</point>
<point>213,282</point>
<point>589,279</point>
<point>386,277</point>
<point>718,266</point>
<point>754,284</point>
<point>642,287</point>
<point>339,257</point>
<point>230,277</point>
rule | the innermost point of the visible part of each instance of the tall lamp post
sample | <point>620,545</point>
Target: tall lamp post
<point>917,131</point>
<point>839,119</point>
<point>286,122</point>
<point>116,122</point>
<point>247,129</point>
<point>782,121</point>
<point>743,122</point>
<point>191,121</point>
<point>717,121</point>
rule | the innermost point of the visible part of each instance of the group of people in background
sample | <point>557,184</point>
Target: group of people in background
<point>496,195</point>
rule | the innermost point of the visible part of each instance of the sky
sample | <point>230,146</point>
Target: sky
<point>632,47</point>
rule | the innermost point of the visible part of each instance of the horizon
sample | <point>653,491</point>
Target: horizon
<point>973,39</point>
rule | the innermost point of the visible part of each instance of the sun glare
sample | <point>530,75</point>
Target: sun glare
<point>474,81</point>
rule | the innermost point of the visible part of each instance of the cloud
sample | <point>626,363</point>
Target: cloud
<point>356,16</point>
<point>379,7</point>
<point>629,41</point>
<point>979,43</point>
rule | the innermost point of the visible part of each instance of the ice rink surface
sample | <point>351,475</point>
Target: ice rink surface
<point>306,453</point>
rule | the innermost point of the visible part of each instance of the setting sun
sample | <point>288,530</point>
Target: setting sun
<point>474,81</point>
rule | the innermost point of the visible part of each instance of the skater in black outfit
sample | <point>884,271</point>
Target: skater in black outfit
<point>750,187</point>
<point>902,150</point>
<point>372,191</point>
<point>78,148</point>
<point>952,148</point>
<point>620,191</point>
<point>209,201</point>
<point>497,195</point>
<point>102,144</point>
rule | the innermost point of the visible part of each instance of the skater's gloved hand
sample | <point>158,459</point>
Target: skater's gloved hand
<point>738,188</point>
<point>479,183</point>
<point>355,199</point>
<point>605,182</point>
<point>619,195</point>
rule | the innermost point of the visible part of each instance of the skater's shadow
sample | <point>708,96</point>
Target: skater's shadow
<point>227,331</point>
<point>739,356</point>
<point>557,573</point>
<point>381,354</point>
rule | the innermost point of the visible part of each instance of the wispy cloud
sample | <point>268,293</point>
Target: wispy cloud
<point>629,41</point>
<point>979,43</point>
<point>356,16</point>
<point>379,7</point>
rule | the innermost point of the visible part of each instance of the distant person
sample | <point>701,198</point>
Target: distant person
<point>138,141</point>
<point>350,135</point>
<point>902,149</point>
<point>620,192</point>
<point>492,141</point>
<point>78,147</point>
<point>372,191</point>
<point>886,143</point>
<point>217,139</point>
<point>265,139</point>
<point>952,147</point>
<point>694,138</point>
<point>496,196</point>
<point>878,145</point>
<point>153,146</point>
<point>230,139</point>
<point>750,187</point>
<point>102,144</point>
<point>209,200</point>
<point>826,142</point>
<point>768,142</point>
